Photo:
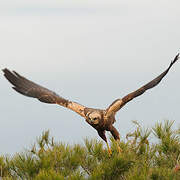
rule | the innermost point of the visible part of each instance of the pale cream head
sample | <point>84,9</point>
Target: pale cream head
<point>93,117</point>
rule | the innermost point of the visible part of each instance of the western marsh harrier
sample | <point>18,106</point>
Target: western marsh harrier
<point>100,119</point>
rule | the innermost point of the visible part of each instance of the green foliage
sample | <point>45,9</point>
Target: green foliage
<point>139,159</point>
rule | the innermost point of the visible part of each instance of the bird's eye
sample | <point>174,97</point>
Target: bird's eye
<point>95,118</point>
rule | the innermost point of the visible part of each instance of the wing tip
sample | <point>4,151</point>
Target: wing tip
<point>5,70</point>
<point>174,60</point>
<point>176,57</point>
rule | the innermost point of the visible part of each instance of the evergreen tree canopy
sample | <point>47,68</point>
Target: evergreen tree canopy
<point>139,159</point>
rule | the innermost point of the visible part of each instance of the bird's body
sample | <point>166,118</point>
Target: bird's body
<point>101,120</point>
<point>97,119</point>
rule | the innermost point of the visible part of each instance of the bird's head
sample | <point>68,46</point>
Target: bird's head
<point>93,117</point>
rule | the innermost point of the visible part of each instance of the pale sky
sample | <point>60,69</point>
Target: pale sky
<point>92,52</point>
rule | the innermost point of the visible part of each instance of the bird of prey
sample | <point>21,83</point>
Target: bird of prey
<point>100,119</point>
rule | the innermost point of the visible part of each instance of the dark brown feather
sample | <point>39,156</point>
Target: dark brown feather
<point>31,89</point>
<point>119,103</point>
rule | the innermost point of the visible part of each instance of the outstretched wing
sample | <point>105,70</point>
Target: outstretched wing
<point>29,88</point>
<point>119,103</point>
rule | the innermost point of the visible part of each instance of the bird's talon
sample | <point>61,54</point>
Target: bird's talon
<point>109,152</point>
<point>119,150</point>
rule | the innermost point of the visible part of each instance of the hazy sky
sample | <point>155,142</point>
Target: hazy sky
<point>92,52</point>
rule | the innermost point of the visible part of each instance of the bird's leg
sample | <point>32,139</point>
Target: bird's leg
<point>118,145</point>
<point>109,149</point>
<point>115,134</point>
<point>103,136</point>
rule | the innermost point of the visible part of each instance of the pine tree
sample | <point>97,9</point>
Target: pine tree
<point>139,159</point>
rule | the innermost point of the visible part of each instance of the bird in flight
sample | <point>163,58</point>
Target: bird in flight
<point>100,119</point>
